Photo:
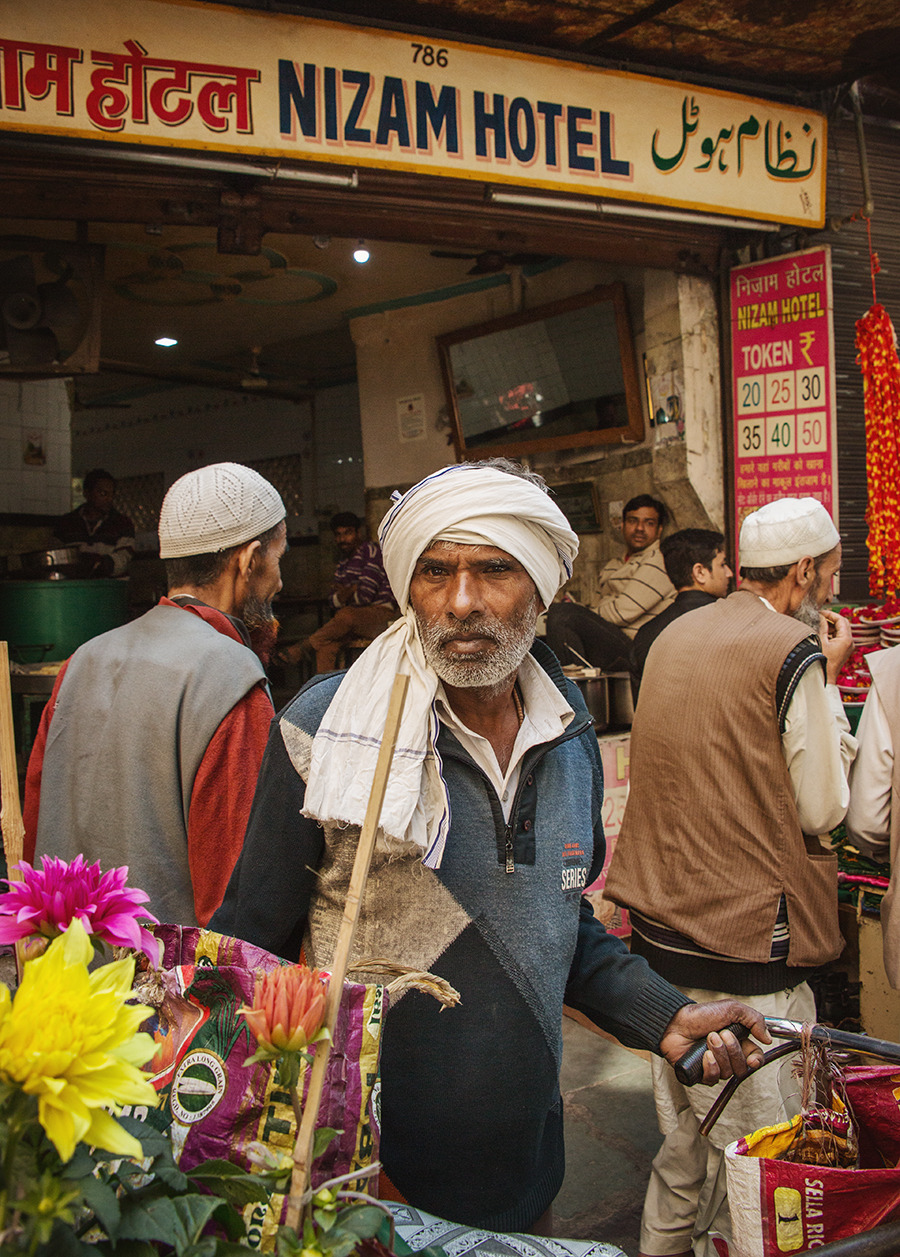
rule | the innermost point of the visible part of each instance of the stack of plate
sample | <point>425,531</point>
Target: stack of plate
<point>853,693</point>
<point>890,632</point>
<point>866,632</point>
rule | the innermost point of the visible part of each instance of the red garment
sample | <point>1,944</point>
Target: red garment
<point>223,787</point>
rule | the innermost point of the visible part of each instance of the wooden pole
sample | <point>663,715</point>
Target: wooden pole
<point>10,806</point>
<point>303,1147</point>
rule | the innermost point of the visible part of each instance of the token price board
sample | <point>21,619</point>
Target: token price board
<point>782,355</point>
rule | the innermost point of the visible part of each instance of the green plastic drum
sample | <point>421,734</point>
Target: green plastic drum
<point>46,620</point>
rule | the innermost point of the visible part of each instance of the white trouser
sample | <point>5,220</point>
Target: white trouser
<point>686,1199</point>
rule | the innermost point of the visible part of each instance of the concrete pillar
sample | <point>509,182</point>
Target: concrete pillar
<point>682,355</point>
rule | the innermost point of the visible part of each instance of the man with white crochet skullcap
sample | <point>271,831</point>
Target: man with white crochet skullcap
<point>740,754</point>
<point>491,828</point>
<point>149,749</point>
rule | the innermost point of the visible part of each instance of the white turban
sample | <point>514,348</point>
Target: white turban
<point>478,506</point>
<point>467,505</point>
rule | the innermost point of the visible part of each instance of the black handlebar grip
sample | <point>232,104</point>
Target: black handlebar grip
<point>689,1069</point>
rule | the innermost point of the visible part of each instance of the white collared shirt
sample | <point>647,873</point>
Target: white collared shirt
<point>546,716</point>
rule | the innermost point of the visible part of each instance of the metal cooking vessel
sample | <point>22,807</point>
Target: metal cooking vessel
<point>595,692</point>
<point>621,701</point>
<point>45,620</point>
<point>50,563</point>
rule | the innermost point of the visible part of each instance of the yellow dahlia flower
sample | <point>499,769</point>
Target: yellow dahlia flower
<point>69,1039</point>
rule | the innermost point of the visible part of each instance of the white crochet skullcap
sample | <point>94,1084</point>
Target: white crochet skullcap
<point>215,507</point>
<point>785,531</point>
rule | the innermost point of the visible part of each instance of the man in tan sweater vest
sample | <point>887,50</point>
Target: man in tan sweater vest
<point>740,751</point>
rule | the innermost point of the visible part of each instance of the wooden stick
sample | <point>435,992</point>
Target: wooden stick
<point>303,1148</point>
<point>10,805</point>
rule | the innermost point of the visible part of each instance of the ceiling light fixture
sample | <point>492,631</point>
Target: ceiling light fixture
<point>625,210</point>
<point>361,253</point>
<point>677,216</point>
<point>499,197</point>
<point>278,172</point>
<point>166,341</point>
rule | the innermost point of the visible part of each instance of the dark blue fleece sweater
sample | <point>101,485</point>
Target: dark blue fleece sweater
<point>471,1110</point>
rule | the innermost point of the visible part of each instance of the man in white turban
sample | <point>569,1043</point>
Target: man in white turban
<point>490,831</point>
<point>740,753</point>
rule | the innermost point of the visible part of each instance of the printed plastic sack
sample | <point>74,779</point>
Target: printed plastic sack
<point>786,1207</point>
<point>214,1105</point>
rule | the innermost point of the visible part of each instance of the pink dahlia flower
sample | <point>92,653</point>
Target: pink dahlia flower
<point>48,899</point>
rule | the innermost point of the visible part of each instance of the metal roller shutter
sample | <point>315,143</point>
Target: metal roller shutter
<point>852,298</point>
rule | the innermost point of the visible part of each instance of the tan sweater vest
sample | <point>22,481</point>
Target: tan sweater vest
<point>711,837</point>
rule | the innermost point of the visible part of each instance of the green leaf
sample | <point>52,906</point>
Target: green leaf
<point>208,1247</point>
<point>230,1221</point>
<point>339,1245</point>
<point>325,1218</point>
<point>360,1220</point>
<point>230,1182</point>
<point>287,1243</point>
<point>178,1221</point>
<point>64,1242</point>
<point>80,1165</point>
<point>166,1171</point>
<point>154,1142</point>
<point>103,1203</point>
<point>322,1138</point>
<point>124,1248</point>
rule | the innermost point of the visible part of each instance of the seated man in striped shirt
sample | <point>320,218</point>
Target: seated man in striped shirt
<point>631,592</point>
<point>360,592</point>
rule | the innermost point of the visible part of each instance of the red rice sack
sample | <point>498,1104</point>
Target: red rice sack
<point>780,1207</point>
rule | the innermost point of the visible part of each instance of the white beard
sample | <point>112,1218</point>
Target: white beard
<point>808,611</point>
<point>490,669</point>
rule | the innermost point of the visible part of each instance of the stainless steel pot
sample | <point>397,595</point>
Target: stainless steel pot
<point>621,701</point>
<point>49,563</point>
<point>595,692</point>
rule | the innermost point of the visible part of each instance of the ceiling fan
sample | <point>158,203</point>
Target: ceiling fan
<point>49,306</point>
<point>492,261</point>
<point>224,373</point>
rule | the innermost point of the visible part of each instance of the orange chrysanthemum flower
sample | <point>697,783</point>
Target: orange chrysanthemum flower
<point>287,1011</point>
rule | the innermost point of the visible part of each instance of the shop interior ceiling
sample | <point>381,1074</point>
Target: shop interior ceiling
<point>257,282</point>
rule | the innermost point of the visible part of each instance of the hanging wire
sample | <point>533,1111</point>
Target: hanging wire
<point>874,263</point>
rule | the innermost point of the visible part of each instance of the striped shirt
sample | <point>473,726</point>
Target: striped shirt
<point>365,570</point>
<point>633,592</point>
<point>661,936</point>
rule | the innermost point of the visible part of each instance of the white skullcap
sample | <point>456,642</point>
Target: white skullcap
<point>472,505</point>
<point>215,507</point>
<point>782,532</point>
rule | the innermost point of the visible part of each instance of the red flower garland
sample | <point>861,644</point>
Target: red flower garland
<point>877,358</point>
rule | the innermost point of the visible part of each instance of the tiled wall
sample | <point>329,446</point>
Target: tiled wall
<point>35,462</point>
<point>152,440</point>
<point>339,456</point>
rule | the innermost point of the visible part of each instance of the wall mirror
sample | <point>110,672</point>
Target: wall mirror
<point>560,376</point>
